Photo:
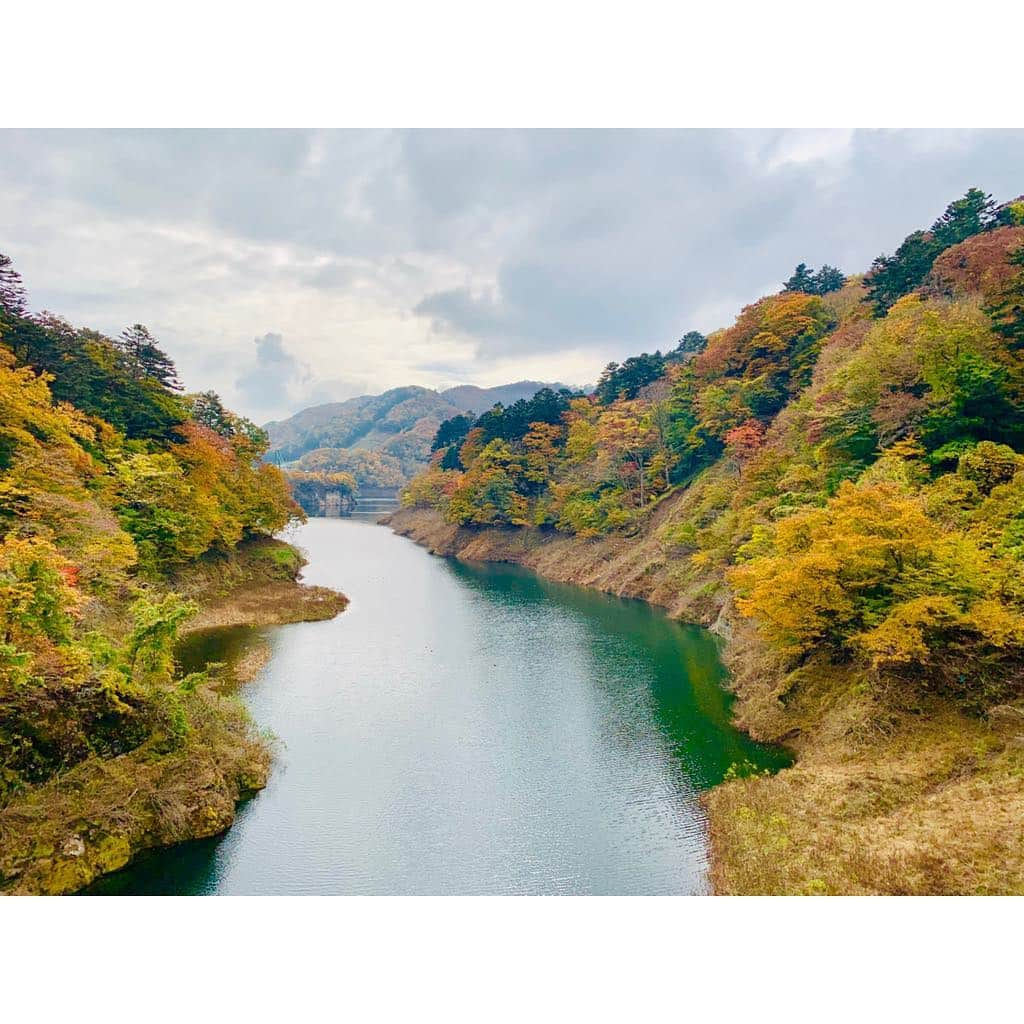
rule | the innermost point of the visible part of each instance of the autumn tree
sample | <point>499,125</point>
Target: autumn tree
<point>542,445</point>
<point>745,441</point>
<point>627,439</point>
<point>1007,311</point>
<point>488,493</point>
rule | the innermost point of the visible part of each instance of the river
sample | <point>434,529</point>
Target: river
<point>467,729</point>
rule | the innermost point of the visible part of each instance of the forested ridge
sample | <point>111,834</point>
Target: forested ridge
<point>379,441</point>
<point>842,469</point>
<point>114,487</point>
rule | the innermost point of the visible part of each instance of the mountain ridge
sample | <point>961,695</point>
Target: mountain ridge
<point>383,439</point>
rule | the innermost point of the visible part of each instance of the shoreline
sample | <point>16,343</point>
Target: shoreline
<point>97,816</point>
<point>632,567</point>
<point>890,792</point>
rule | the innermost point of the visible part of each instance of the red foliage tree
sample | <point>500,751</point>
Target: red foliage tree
<point>745,441</point>
<point>979,265</point>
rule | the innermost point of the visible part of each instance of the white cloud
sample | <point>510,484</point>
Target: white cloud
<point>389,258</point>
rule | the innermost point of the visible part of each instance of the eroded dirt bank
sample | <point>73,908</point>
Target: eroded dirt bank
<point>636,567</point>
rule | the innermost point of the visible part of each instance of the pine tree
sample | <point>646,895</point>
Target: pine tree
<point>805,280</point>
<point>146,359</point>
<point>828,279</point>
<point>691,341</point>
<point>892,277</point>
<point>965,217</point>
<point>12,291</point>
<point>801,281</point>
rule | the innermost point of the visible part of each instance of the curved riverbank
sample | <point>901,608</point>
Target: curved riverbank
<point>634,567</point>
<point>469,729</point>
<point>890,793</point>
<point>98,816</point>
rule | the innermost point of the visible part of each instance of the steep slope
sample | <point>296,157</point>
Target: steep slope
<point>836,483</point>
<point>114,532</point>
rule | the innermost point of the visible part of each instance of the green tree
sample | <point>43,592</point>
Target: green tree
<point>801,280</point>
<point>892,277</point>
<point>12,291</point>
<point>970,215</point>
<point>627,380</point>
<point>828,279</point>
<point>146,359</point>
<point>690,343</point>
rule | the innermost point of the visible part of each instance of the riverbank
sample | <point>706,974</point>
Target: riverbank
<point>177,784</point>
<point>891,792</point>
<point>636,567</point>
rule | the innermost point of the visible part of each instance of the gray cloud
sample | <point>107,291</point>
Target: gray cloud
<point>385,256</point>
<point>277,381</point>
<point>265,384</point>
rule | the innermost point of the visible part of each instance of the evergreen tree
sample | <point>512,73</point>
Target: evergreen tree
<point>207,409</point>
<point>802,280</point>
<point>452,431</point>
<point>691,342</point>
<point>965,217</point>
<point>12,291</point>
<point>828,279</point>
<point>146,359</point>
<point>626,381</point>
<point>892,277</point>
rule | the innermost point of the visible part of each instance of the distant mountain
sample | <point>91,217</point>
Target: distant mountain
<point>470,398</point>
<point>382,439</point>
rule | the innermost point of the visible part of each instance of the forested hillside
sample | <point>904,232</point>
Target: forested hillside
<point>380,440</point>
<point>116,491</point>
<point>841,470</point>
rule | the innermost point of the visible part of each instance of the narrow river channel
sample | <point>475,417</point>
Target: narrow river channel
<point>468,729</point>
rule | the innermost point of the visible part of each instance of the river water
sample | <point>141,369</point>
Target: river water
<point>468,729</point>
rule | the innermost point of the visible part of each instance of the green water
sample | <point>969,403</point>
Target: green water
<point>468,729</point>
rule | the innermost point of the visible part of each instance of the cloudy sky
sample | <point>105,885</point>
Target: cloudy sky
<point>289,268</point>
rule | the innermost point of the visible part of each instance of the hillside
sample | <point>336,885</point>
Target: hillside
<point>383,440</point>
<point>836,483</point>
<point>125,507</point>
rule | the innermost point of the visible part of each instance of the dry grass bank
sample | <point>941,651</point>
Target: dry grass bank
<point>257,587</point>
<point>891,792</point>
